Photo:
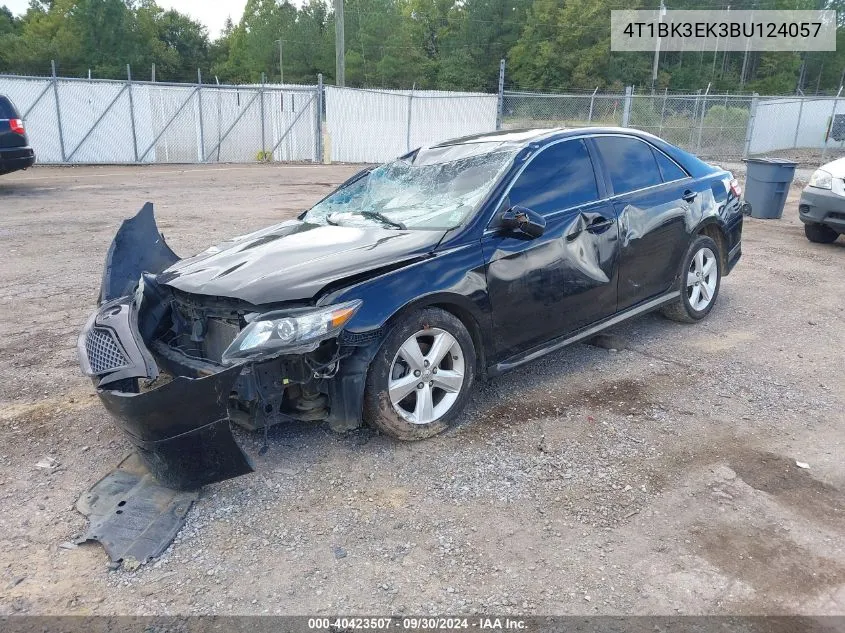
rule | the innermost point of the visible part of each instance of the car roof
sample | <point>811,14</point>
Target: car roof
<point>538,136</point>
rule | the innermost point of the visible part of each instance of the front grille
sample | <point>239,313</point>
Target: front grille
<point>103,353</point>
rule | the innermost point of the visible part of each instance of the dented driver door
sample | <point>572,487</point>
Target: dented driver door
<point>547,286</point>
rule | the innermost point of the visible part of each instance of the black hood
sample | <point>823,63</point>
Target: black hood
<point>294,260</point>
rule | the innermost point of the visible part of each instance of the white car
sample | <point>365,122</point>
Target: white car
<point>822,205</point>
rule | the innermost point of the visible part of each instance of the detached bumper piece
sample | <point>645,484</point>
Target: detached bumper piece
<point>181,428</point>
<point>131,515</point>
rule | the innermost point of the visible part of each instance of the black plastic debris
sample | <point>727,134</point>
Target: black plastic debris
<point>133,516</point>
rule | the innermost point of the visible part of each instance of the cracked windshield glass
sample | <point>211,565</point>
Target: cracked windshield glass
<point>433,188</point>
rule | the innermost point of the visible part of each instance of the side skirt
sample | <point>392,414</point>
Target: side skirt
<point>555,344</point>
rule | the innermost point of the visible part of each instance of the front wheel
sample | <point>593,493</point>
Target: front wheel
<point>701,275</point>
<point>820,234</point>
<point>421,377</point>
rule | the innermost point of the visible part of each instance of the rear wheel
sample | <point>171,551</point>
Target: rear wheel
<point>701,276</point>
<point>820,234</point>
<point>421,377</point>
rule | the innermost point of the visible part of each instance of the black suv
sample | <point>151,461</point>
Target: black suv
<point>15,152</point>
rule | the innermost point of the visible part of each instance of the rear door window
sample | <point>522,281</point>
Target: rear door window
<point>560,177</point>
<point>630,163</point>
<point>7,110</point>
<point>668,169</point>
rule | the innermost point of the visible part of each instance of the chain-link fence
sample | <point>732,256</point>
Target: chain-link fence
<point>721,127</point>
<point>709,125</point>
<point>106,121</point>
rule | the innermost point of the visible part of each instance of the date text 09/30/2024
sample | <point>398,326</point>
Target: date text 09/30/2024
<point>377,624</point>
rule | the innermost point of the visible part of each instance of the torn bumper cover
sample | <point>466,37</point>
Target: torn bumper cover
<point>181,428</point>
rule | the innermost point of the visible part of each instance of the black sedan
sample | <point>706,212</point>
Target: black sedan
<point>15,152</point>
<point>389,298</point>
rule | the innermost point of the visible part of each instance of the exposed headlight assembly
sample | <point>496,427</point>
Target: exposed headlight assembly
<point>821,179</point>
<point>289,332</point>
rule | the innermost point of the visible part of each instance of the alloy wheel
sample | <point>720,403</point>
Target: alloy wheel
<point>426,376</point>
<point>702,276</point>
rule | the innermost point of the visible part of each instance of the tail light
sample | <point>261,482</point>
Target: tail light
<point>735,188</point>
<point>17,126</point>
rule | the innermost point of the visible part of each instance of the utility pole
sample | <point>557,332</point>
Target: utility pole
<point>339,47</point>
<point>745,57</point>
<point>660,14</point>
<point>281,68</point>
<point>716,51</point>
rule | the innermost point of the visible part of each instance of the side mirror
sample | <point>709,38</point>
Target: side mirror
<point>523,220</point>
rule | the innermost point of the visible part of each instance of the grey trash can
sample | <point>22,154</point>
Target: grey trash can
<point>767,182</point>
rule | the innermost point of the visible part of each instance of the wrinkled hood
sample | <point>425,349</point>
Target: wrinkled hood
<point>294,260</point>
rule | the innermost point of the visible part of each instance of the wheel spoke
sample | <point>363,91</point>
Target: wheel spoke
<point>448,380</point>
<point>411,353</point>
<point>695,296</point>
<point>699,261</point>
<point>708,266</point>
<point>424,411</point>
<point>705,292</point>
<point>691,279</point>
<point>401,387</point>
<point>439,348</point>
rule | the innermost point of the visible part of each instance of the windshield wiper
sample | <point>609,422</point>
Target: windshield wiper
<point>370,215</point>
<point>375,215</point>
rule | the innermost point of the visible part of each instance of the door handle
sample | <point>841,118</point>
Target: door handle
<point>599,224</point>
<point>689,195</point>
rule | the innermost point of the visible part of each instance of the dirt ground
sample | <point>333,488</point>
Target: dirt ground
<point>656,477</point>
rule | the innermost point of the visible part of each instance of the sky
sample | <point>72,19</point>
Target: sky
<point>212,13</point>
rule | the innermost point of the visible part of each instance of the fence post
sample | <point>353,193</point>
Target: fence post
<point>261,98</point>
<point>202,127</point>
<point>592,103</point>
<point>58,109</point>
<point>830,123</point>
<point>132,111</point>
<point>626,109</point>
<point>663,111</point>
<point>319,140</point>
<point>749,131</point>
<point>701,122</point>
<point>408,130</point>
<point>798,123</point>
<point>500,102</point>
<point>694,118</point>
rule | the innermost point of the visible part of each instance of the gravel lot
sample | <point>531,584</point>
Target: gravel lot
<point>657,477</point>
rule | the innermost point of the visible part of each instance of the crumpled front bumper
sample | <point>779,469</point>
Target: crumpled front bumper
<point>180,429</point>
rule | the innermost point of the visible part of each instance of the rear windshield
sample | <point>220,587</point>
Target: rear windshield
<point>7,110</point>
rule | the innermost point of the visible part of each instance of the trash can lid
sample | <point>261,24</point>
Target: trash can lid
<point>771,161</point>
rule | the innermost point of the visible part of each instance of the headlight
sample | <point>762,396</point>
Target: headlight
<point>821,179</point>
<point>289,332</point>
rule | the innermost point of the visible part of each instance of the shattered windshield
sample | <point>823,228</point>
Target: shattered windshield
<point>435,188</point>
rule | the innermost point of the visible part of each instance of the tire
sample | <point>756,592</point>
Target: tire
<point>407,417</point>
<point>820,234</point>
<point>698,278</point>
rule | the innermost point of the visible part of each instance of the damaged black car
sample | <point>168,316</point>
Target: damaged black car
<point>389,298</point>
